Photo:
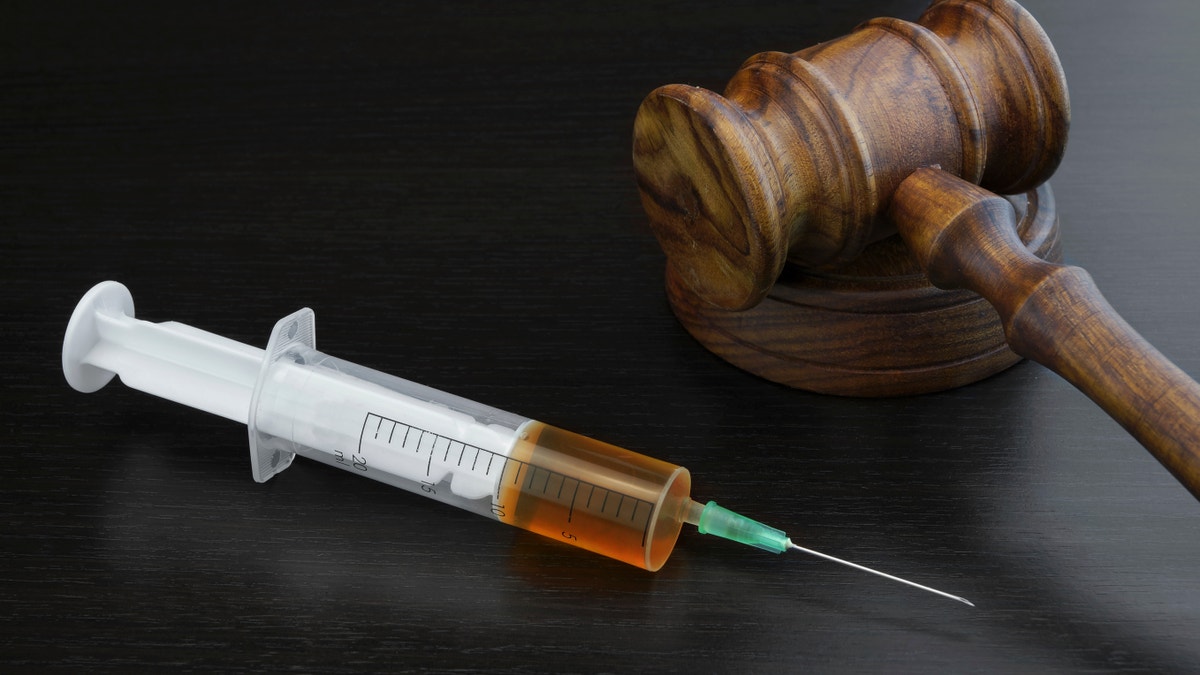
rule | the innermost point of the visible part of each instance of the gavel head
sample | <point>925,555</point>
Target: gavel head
<point>798,160</point>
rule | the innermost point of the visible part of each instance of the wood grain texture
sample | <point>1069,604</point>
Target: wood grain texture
<point>798,159</point>
<point>793,167</point>
<point>449,187</point>
<point>876,327</point>
<point>966,237</point>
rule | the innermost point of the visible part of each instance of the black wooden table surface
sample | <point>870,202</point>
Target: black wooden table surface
<point>449,187</point>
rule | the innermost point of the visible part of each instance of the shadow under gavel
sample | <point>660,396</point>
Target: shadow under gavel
<point>777,204</point>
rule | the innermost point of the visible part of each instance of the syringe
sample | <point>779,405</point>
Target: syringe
<point>296,400</point>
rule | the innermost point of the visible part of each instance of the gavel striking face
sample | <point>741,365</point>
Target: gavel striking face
<point>799,159</point>
<point>808,159</point>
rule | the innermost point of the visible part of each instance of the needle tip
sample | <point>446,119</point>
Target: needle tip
<point>856,566</point>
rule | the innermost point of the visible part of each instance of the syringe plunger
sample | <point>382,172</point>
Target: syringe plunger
<point>296,400</point>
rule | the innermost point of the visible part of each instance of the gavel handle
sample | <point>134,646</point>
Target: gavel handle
<point>965,237</point>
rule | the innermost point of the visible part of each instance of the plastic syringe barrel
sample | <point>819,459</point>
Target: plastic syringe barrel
<point>297,400</point>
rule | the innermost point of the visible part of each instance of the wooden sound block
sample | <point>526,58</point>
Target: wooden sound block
<point>778,205</point>
<point>873,327</point>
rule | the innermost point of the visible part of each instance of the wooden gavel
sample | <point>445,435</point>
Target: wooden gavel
<point>810,159</point>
